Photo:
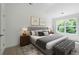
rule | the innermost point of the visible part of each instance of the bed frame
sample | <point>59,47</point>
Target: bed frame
<point>45,52</point>
<point>37,28</point>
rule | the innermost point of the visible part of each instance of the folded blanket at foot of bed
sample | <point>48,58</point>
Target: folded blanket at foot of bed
<point>49,41</point>
<point>63,48</point>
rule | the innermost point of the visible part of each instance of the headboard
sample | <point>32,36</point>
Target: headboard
<point>44,29</point>
<point>37,28</point>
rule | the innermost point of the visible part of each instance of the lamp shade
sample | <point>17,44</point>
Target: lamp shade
<point>24,31</point>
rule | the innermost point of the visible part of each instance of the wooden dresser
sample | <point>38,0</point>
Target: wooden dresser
<point>24,40</point>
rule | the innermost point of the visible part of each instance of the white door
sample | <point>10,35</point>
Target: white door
<point>2,29</point>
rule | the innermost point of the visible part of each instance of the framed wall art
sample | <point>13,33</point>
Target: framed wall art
<point>34,21</point>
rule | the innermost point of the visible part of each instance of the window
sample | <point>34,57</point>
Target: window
<point>66,26</point>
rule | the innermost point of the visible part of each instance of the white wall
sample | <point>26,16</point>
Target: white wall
<point>17,17</point>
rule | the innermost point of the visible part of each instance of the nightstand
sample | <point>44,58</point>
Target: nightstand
<point>24,40</point>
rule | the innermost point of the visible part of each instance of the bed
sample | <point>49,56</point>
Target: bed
<point>45,43</point>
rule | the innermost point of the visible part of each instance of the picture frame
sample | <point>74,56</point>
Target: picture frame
<point>34,21</point>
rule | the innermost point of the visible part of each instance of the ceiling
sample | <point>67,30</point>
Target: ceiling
<point>51,10</point>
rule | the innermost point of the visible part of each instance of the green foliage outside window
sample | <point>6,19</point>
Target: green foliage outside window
<point>68,26</point>
<point>71,29</point>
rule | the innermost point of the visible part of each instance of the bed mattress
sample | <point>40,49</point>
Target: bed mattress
<point>49,45</point>
<point>55,38</point>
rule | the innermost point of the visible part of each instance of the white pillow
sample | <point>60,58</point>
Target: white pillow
<point>46,33</point>
<point>33,32</point>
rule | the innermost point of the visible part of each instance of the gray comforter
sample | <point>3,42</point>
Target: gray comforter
<point>43,41</point>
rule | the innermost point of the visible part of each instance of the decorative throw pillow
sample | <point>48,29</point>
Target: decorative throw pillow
<point>41,34</point>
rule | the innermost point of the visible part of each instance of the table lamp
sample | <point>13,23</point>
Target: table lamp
<point>24,31</point>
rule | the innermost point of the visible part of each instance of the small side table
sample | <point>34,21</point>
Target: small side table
<point>24,40</point>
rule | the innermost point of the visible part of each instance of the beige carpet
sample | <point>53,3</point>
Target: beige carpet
<point>31,50</point>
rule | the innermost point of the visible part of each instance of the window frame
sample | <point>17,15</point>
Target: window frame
<point>65,20</point>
